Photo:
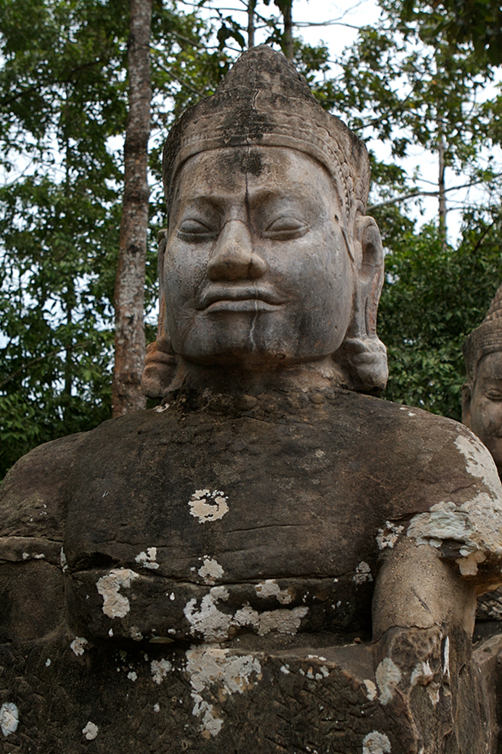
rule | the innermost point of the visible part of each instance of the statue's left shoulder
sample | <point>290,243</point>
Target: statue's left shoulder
<point>460,482</point>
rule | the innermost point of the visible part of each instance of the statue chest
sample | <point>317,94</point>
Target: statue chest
<point>217,528</point>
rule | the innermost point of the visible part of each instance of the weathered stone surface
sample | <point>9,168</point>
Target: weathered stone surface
<point>207,699</point>
<point>211,505</point>
<point>266,562</point>
<point>255,570</point>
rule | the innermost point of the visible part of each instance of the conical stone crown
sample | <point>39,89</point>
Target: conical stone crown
<point>486,338</point>
<point>264,101</point>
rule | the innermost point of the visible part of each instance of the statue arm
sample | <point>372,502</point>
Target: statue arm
<point>32,516</point>
<point>416,588</point>
<point>424,607</point>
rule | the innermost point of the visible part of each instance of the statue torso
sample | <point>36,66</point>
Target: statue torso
<point>237,515</point>
<point>219,517</point>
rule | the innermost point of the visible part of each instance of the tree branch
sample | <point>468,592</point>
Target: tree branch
<point>413,194</point>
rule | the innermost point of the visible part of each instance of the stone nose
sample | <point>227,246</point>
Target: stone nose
<point>234,258</point>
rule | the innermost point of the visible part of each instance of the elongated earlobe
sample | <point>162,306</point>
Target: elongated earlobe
<point>362,357</point>
<point>466,405</point>
<point>160,360</point>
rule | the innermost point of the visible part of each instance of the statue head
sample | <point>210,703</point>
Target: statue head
<point>269,259</point>
<point>482,395</point>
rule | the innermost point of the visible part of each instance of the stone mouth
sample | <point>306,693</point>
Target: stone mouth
<point>252,305</point>
<point>226,294</point>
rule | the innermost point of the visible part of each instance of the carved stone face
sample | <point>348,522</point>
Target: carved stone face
<point>256,265</point>
<point>485,412</point>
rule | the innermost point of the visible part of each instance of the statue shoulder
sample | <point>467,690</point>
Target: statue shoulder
<point>33,498</point>
<point>446,490</point>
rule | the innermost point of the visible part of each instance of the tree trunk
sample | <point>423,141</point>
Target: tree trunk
<point>288,30</point>
<point>130,280</point>
<point>251,9</point>
<point>442,196</point>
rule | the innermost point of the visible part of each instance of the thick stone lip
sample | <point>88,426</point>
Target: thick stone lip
<point>251,305</point>
<point>226,294</point>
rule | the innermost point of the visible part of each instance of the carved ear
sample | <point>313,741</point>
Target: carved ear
<point>466,405</point>
<point>362,356</point>
<point>160,360</point>
<point>370,277</point>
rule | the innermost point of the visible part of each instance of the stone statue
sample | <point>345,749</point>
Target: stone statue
<point>272,559</point>
<point>482,412</point>
<point>482,395</point>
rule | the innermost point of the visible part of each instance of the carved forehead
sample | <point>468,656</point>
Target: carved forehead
<point>243,171</point>
<point>490,366</point>
<point>485,339</point>
<point>264,102</point>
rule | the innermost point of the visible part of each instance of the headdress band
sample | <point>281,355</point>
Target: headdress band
<point>264,101</point>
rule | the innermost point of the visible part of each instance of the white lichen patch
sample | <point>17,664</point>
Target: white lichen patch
<point>161,409</point>
<point>362,574</point>
<point>421,674</point>
<point>156,707</point>
<point>475,524</point>
<point>209,667</point>
<point>159,670</point>
<point>443,521</point>
<point>281,621</point>
<point>116,605</point>
<point>468,564</point>
<point>210,570</point>
<point>9,718</point>
<point>62,560</point>
<point>324,673</point>
<point>479,462</point>
<point>208,506</point>
<point>79,645</point>
<point>388,535</point>
<point>446,658</point>
<point>371,690</point>
<point>215,624</point>
<point>132,675</point>
<point>376,743</point>
<point>90,731</point>
<point>388,676</point>
<point>208,620</point>
<point>148,559</point>
<point>270,588</point>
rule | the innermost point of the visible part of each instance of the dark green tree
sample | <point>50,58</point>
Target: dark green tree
<point>62,112</point>
<point>432,299</point>
<point>477,23</point>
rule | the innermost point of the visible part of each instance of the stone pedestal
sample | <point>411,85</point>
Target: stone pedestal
<point>71,697</point>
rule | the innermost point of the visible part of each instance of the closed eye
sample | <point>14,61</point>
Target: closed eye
<point>192,229</point>
<point>286,227</point>
<point>494,395</point>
